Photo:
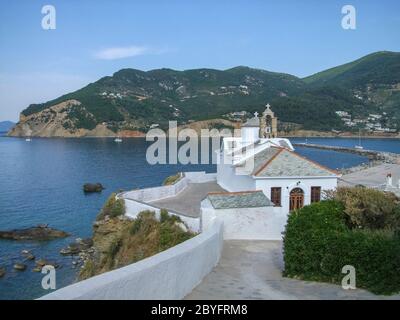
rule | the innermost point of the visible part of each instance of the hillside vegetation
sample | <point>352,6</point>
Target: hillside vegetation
<point>133,100</point>
<point>118,241</point>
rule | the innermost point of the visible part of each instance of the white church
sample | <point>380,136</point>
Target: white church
<point>265,180</point>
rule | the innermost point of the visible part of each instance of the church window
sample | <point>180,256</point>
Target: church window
<point>315,194</point>
<point>276,196</point>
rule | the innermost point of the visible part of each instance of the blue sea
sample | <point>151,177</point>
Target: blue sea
<point>41,182</point>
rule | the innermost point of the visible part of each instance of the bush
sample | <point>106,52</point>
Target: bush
<point>172,179</point>
<point>318,243</point>
<point>369,208</point>
<point>163,215</point>
<point>141,221</point>
<point>113,208</point>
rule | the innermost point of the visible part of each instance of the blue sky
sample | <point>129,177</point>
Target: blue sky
<point>96,38</point>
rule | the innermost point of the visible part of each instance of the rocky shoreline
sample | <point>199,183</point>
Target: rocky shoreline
<point>39,233</point>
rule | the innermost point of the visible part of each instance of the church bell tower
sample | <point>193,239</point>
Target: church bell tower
<point>268,124</point>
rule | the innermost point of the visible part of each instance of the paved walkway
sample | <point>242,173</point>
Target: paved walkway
<point>373,176</point>
<point>252,270</point>
<point>188,201</point>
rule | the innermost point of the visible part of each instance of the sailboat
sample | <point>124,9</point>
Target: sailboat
<point>28,139</point>
<point>118,140</point>
<point>359,146</point>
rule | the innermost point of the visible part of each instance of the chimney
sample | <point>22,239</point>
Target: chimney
<point>389,180</point>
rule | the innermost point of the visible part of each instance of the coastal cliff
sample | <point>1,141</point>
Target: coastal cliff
<point>60,120</point>
<point>119,241</point>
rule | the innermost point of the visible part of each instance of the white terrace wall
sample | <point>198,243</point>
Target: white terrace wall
<point>158,193</point>
<point>138,200</point>
<point>133,207</point>
<point>171,274</point>
<point>264,223</point>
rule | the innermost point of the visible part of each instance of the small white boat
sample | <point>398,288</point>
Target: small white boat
<point>118,140</point>
<point>28,139</point>
<point>359,146</point>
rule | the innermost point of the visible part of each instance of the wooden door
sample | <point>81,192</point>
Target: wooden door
<point>296,199</point>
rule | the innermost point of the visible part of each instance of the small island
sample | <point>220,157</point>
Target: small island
<point>40,233</point>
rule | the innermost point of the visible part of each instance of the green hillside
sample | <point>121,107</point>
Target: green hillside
<point>164,94</point>
<point>134,99</point>
<point>375,79</point>
<point>377,68</point>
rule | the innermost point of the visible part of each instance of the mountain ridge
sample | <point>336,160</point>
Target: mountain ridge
<point>133,99</point>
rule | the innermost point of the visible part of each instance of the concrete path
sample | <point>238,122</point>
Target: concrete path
<point>252,270</point>
<point>372,177</point>
<point>188,201</point>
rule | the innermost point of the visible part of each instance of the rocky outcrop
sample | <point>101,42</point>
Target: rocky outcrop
<point>20,266</point>
<point>56,121</point>
<point>120,241</point>
<point>92,187</point>
<point>77,247</point>
<point>41,232</point>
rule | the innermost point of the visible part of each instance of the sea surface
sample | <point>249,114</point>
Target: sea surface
<point>41,182</point>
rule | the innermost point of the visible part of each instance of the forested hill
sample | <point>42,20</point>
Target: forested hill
<point>133,100</point>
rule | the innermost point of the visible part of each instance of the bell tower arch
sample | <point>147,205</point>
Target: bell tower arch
<point>268,124</point>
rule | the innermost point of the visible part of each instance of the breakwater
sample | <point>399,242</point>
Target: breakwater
<point>374,155</point>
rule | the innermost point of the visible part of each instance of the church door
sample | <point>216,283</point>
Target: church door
<point>296,199</point>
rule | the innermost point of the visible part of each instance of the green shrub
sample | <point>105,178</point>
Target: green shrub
<point>114,247</point>
<point>113,208</point>
<point>88,270</point>
<point>139,224</point>
<point>369,208</point>
<point>135,227</point>
<point>163,215</point>
<point>172,179</point>
<point>171,235</point>
<point>318,243</point>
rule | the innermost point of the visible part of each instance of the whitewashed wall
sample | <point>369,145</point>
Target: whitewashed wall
<point>133,208</point>
<point>156,193</point>
<point>264,223</point>
<point>162,192</point>
<point>230,181</point>
<point>137,200</point>
<point>171,274</point>
<point>200,177</point>
<point>288,184</point>
<point>250,134</point>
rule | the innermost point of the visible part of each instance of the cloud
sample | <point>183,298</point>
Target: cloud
<point>121,52</point>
